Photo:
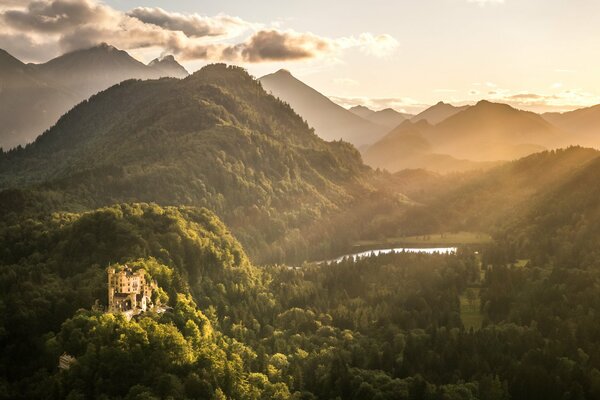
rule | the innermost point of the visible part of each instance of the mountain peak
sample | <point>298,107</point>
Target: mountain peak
<point>492,106</point>
<point>169,66</point>
<point>105,46</point>
<point>362,111</point>
<point>438,112</point>
<point>360,107</point>
<point>330,120</point>
<point>485,103</point>
<point>283,71</point>
<point>7,60</point>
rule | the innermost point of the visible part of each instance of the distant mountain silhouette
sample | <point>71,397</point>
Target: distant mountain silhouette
<point>34,96</point>
<point>583,125</point>
<point>331,121</point>
<point>387,117</point>
<point>406,147</point>
<point>167,66</point>
<point>492,131</point>
<point>475,138</point>
<point>214,139</point>
<point>437,113</point>
<point>362,111</point>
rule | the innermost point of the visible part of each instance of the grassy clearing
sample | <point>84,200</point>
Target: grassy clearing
<point>437,239</point>
<point>469,309</point>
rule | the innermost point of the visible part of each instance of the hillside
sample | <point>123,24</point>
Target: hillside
<point>561,225</point>
<point>506,196</point>
<point>492,131</point>
<point>582,125</point>
<point>215,139</point>
<point>331,121</point>
<point>406,147</point>
<point>438,113</point>
<point>34,96</point>
<point>61,274</point>
<point>387,117</point>
<point>27,101</point>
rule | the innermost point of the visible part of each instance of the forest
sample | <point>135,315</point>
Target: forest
<point>231,215</point>
<point>384,327</point>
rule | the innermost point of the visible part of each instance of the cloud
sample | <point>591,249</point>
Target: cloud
<point>274,45</point>
<point>560,101</point>
<point>192,25</point>
<point>24,47</point>
<point>55,16</point>
<point>74,24</point>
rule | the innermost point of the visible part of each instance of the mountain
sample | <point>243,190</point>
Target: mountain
<point>406,147</point>
<point>90,70</point>
<point>34,96</point>
<point>512,195</point>
<point>362,111</point>
<point>387,117</point>
<point>438,113</point>
<point>27,101</point>
<point>492,131</point>
<point>543,207</point>
<point>168,67</point>
<point>331,121</point>
<point>583,124</point>
<point>215,139</point>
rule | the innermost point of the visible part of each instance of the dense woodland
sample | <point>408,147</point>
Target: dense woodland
<point>378,328</point>
<point>226,217</point>
<point>215,140</point>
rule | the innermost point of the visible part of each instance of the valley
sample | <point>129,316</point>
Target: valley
<point>166,235</point>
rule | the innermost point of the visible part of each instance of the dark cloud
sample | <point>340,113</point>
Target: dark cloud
<point>273,45</point>
<point>191,25</point>
<point>76,24</point>
<point>25,49</point>
<point>55,16</point>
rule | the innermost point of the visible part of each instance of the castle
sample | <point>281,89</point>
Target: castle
<point>129,291</point>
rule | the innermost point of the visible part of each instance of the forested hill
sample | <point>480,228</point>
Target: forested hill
<point>562,226</point>
<point>544,205</point>
<point>215,139</point>
<point>53,270</point>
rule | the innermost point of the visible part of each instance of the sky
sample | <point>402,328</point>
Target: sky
<point>540,55</point>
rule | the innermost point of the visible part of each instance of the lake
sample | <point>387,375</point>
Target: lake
<point>377,252</point>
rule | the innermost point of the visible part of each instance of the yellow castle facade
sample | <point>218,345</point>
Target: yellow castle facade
<point>129,291</point>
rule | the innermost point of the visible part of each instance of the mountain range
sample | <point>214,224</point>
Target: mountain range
<point>475,138</point>
<point>442,138</point>
<point>330,120</point>
<point>34,96</point>
<point>214,139</point>
<point>438,113</point>
<point>584,122</point>
<point>387,117</point>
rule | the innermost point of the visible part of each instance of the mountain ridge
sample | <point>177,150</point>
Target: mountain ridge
<point>387,117</point>
<point>39,94</point>
<point>215,139</point>
<point>330,120</point>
